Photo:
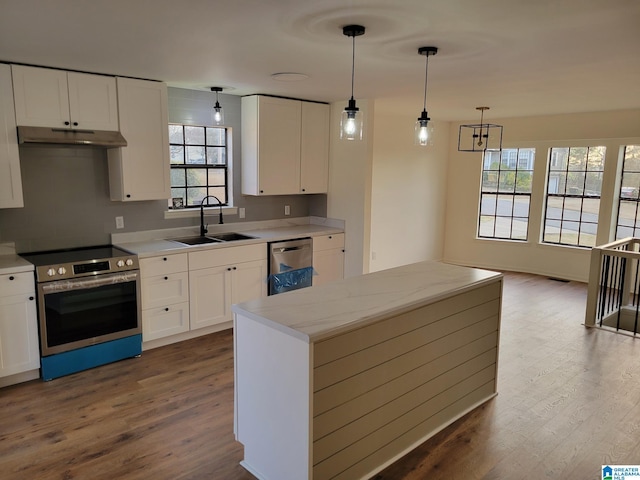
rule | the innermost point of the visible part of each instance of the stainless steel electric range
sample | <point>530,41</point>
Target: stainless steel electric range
<point>88,307</point>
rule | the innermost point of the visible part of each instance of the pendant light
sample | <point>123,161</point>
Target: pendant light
<point>480,137</point>
<point>218,114</point>
<point>424,131</point>
<point>351,121</point>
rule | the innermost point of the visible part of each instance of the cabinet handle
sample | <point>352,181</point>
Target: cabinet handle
<point>31,298</point>
<point>128,196</point>
<point>343,250</point>
<point>66,123</point>
<point>166,278</point>
<point>303,190</point>
<point>261,191</point>
<point>234,268</point>
<point>228,269</point>
<point>12,277</point>
<point>166,309</point>
<point>330,237</point>
<point>165,259</point>
<point>75,124</point>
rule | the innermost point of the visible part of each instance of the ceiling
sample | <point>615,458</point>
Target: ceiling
<point>520,57</point>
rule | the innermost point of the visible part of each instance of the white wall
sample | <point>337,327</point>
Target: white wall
<point>611,129</point>
<point>408,190</point>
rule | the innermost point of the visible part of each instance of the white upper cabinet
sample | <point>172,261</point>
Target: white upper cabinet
<point>285,146</point>
<point>314,148</point>
<point>59,99</point>
<point>140,171</point>
<point>10,178</point>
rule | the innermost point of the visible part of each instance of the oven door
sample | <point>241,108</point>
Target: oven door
<point>80,312</point>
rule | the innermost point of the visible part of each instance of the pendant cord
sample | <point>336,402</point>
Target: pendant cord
<point>353,63</point>
<point>426,79</point>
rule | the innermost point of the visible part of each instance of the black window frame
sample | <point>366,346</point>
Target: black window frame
<point>631,195</point>
<point>210,189</point>
<point>566,171</point>
<point>502,168</point>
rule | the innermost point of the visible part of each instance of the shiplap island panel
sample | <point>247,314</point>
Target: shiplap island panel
<point>337,381</point>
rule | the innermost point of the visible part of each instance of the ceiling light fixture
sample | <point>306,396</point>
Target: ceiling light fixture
<point>351,121</point>
<point>480,137</point>
<point>424,131</point>
<point>218,114</point>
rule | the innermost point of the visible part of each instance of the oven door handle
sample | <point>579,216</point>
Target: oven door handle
<point>91,282</point>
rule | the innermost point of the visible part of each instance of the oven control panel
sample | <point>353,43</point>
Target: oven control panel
<point>84,269</point>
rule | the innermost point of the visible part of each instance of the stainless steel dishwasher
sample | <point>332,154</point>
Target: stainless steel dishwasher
<point>290,265</point>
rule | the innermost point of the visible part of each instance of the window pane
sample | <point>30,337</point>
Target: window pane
<point>503,227</point>
<point>572,208</point>
<point>488,204</point>
<point>194,135</point>
<point>505,205</point>
<point>196,177</point>
<point>523,182</point>
<point>507,181</point>
<point>628,213</point>
<point>486,227</point>
<point>178,193</point>
<point>559,158</point>
<point>596,159</point>
<point>557,183</point>
<point>218,192</point>
<point>554,207</point>
<point>216,136</point>
<point>519,229</point>
<point>575,183</point>
<point>176,154</point>
<point>216,176</point>
<point>178,178</point>
<point>195,155</point>
<point>590,209</point>
<point>521,206</point>
<point>216,155</point>
<point>552,231</point>
<point>195,195</point>
<point>588,234</point>
<point>569,233</point>
<point>489,181</point>
<point>175,134</point>
<point>578,158</point>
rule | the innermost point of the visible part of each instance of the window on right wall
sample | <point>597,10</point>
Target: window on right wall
<point>574,187</point>
<point>628,224</point>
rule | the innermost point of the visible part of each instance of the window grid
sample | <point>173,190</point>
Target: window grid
<point>198,164</point>
<point>505,195</point>
<point>574,187</point>
<point>628,223</point>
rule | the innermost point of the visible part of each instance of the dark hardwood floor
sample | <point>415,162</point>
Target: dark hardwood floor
<point>568,402</point>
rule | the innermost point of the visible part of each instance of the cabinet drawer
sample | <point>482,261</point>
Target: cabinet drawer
<point>328,242</point>
<point>161,265</point>
<point>165,289</point>
<point>17,283</point>
<point>227,256</point>
<point>165,321</point>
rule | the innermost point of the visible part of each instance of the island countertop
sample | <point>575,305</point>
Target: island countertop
<point>317,313</point>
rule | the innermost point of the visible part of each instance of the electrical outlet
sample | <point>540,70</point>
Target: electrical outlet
<point>287,210</point>
<point>241,212</point>
<point>119,222</point>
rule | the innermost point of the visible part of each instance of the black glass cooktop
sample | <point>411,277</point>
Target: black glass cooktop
<point>73,255</point>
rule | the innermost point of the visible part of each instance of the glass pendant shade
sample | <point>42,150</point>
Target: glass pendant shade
<point>351,122</point>
<point>423,134</point>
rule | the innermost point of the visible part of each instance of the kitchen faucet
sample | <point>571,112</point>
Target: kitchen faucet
<point>203,229</point>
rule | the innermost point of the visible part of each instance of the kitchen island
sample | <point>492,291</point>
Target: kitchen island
<point>340,380</point>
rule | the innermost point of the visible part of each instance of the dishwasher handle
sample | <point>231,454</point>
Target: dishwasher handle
<point>290,249</point>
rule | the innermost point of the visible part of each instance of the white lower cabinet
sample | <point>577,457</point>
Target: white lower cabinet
<point>165,296</point>
<point>19,351</point>
<point>219,278</point>
<point>328,258</point>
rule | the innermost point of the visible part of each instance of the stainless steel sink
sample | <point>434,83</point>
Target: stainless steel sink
<point>195,240</point>
<point>219,238</point>
<point>231,236</point>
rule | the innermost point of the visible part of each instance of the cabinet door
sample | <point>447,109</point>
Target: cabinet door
<point>314,148</point>
<point>270,146</point>
<point>165,321</point>
<point>140,171</point>
<point>249,281</point>
<point>93,102</point>
<point>10,178</point>
<point>18,334</point>
<point>41,97</point>
<point>328,265</point>
<point>209,296</point>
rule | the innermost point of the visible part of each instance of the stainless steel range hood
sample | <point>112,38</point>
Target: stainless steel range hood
<point>64,136</point>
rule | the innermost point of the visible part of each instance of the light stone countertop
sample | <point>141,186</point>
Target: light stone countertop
<point>12,263</point>
<point>148,248</point>
<point>315,313</point>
